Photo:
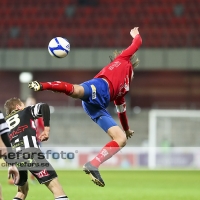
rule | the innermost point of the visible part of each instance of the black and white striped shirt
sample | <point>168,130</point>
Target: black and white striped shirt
<point>22,126</point>
<point>3,125</point>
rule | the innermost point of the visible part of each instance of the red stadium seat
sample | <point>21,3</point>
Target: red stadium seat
<point>50,17</point>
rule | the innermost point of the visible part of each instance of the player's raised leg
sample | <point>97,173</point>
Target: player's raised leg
<point>118,141</point>
<point>73,90</point>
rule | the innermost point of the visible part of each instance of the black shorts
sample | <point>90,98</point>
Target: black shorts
<point>37,165</point>
<point>49,175</point>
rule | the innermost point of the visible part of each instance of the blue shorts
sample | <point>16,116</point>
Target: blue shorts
<point>95,101</point>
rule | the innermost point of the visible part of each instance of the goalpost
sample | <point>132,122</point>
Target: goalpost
<point>174,128</point>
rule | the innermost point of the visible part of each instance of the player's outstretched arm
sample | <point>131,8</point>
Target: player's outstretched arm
<point>135,45</point>
<point>121,111</point>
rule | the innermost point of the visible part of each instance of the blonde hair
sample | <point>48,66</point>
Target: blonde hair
<point>134,60</point>
<point>10,104</point>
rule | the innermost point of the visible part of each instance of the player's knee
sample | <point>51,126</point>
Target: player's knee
<point>117,134</point>
<point>78,92</point>
<point>121,140</point>
<point>124,141</point>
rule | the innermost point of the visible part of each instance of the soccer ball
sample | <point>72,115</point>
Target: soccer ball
<point>59,47</point>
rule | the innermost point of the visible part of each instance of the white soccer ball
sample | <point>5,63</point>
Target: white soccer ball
<point>59,47</point>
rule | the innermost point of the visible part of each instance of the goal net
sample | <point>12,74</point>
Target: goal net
<point>172,132</point>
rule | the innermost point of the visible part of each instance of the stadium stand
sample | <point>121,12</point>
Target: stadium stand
<point>99,23</point>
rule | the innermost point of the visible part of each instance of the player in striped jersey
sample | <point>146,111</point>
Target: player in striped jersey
<point>3,125</point>
<point>4,144</point>
<point>3,134</point>
<point>22,135</point>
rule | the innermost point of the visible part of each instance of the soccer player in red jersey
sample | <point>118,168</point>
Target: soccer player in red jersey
<point>112,83</point>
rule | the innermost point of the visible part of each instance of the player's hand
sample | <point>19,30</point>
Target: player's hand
<point>44,136</point>
<point>134,32</point>
<point>35,85</point>
<point>129,133</point>
<point>13,173</point>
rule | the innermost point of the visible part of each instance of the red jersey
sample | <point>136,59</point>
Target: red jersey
<point>120,71</point>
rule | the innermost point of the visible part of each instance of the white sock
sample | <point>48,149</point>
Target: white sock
<point>62,198</point>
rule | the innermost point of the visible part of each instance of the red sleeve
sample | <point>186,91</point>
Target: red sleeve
<point>40,123</point>
<point>136,43</point>
<point>121,111</point>
<point>39,127</point>
<point>119,101</point>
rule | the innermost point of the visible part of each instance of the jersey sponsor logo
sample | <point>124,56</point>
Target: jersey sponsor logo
<point>104,153</point>
<point>94,96</point>
<point>124,87</point>
<point>113,65</point>
<point>18,131</point>
<point>20,143</point>
<point>25,143</point>
<point>42,173</point>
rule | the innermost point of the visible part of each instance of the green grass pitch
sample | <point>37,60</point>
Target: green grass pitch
<point>120,185</point>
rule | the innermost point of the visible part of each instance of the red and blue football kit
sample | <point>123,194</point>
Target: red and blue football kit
<point>119,72</point>
<point>110,84</point>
